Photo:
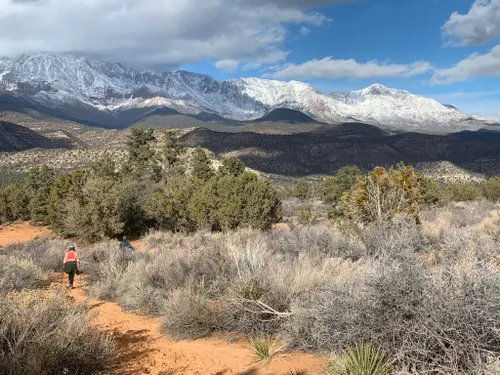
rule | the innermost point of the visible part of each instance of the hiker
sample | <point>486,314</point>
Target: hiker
<point>71,265</point>
<point>125,245</point>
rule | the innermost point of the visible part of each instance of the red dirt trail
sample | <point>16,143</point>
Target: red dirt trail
<point>143,349</point>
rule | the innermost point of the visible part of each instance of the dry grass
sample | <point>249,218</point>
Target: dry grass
<point>44,333</point>
<point>17,274</point>
<point>322,287</point>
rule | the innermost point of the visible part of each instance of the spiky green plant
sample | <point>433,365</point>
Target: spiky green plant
<point>362,359</point>
<point>297,372</point>
<point>263,350</point>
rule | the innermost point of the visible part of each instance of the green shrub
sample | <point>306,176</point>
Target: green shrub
<point>231,167</point>
<point>40,183</point>
<point>301,190</point>
<point>462,192</point>
<point>491,189</point>
<point>332,188</point>
<point>168,206</point>
<point>201,166</point>
<point>433,193</point>
<point>14,202</point>
<point>384,194</point>
<point>225,203</point>
<point>305,215</point>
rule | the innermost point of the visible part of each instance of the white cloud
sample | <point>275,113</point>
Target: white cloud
<point>330,68</point>
<point>305,31</point>
<point>227,65</point>
<point>476,65</point>
<point>251,66</point>
<point>152,32</point>
<point>298,3</point>
<point>481,25</point>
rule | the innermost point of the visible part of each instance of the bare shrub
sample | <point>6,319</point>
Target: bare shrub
<point>17,274</point>
<point>47,254</point>
<point>291,207</point>
<point>189,315</point>
<point>42,334</point>
<point>144,284</point>
<point>391,238</point>
<point>432,323</point>
<point>321,239</point>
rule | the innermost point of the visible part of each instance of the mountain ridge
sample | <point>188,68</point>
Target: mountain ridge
<point>112,95</point>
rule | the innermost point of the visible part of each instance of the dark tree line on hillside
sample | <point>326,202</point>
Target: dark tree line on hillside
<point>153,189</point>
<point>168,189</point>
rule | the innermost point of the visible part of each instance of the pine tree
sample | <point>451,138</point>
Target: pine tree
<point>40,181</point>
<point>142,161</point>
<point>201,166</point>
<point>301,190</point>
<point>172,154</point>
<point>231,167</point>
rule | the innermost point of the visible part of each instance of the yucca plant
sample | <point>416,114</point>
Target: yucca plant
<point>263,350</point>
<point>362,359</point>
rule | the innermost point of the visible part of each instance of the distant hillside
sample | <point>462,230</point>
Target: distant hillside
<point>329,148</point>
<point>287,115</point>
<point>15,137</point>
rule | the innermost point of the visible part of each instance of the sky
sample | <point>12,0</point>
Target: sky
<point>445,49</point>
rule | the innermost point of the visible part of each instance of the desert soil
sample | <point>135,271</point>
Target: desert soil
<point>19,233</point>
<point>143,349</point>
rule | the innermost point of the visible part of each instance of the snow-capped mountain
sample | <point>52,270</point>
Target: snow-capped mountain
<point>107,94</point>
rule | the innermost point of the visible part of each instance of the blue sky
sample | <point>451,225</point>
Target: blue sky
<point>392,31</point>
<point>445,49</point>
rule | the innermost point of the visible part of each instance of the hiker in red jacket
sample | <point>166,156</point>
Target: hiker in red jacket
<point>71,265</point>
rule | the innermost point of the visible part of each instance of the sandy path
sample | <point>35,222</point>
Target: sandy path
<point>143,349</point>
<point>19,233</point>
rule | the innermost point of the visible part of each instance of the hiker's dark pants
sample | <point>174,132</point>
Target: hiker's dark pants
<point>71,268</point>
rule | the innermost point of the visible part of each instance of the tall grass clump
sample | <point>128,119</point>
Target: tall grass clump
<point>47,334</point>
<point>189,315</point>
<point>17,274</point>
<point>47,254</point>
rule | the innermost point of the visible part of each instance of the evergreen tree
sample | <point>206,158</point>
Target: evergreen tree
<point>14,201</point>
<point>142,162</point>
<point>332,188</point>
<point>201,166</point>
<point>231,167</point>
<point>40,181</point>
<point>65,187</point>
<point>172,154</point>
<point>491,189</point>
<point>168,206</point>
<point>262,205</point>
<point>302,190</point>
<point>105,167</point>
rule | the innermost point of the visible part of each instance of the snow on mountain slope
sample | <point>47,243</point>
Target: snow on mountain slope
<point>68,83</point>
<point>384,105</point>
